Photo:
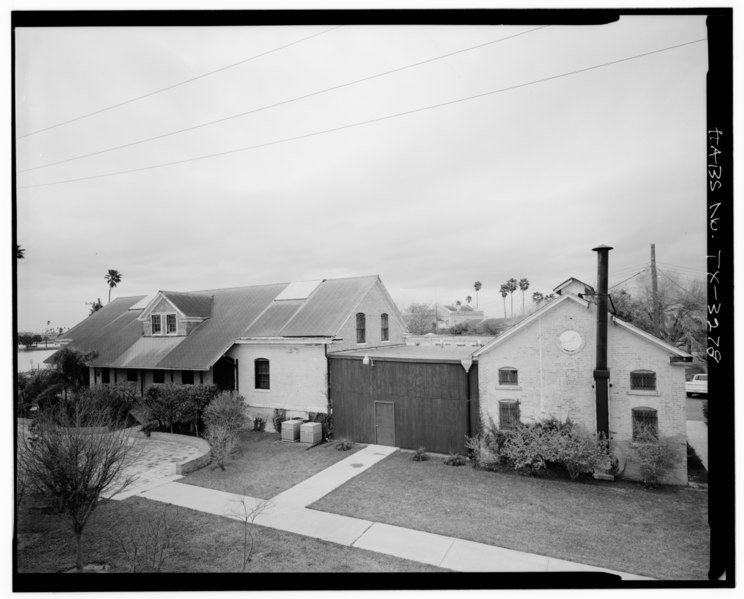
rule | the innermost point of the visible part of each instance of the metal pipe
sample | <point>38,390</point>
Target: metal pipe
<point>601,372</point>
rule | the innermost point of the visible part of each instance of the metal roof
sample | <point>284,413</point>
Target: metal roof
<point>116,334</point>
<point>422,353</point>
<point>191,304</point>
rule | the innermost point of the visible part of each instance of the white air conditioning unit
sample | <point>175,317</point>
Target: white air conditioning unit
<point>291,430</point>
<point>311,432</point>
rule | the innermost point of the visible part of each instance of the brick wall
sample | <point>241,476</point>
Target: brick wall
<point>553,382</point>
<point>373,305</point>
<point>298,379</point>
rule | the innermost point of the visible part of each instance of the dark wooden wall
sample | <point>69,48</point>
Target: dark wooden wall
<point>432,407</point>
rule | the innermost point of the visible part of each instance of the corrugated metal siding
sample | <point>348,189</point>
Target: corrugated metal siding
<point>191,304</point>
<point>270,323</point>
<point>431,402</point>
<point>328,307</point>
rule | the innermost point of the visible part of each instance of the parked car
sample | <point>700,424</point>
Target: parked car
<point>697,386</point>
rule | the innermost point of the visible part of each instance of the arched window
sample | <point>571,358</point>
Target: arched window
<point>361,322</point>
<point>508,376</point>
<point>263,380</point>
<point>384,328</point>
<point>508,414</point>
<point>645,424</point>
<point>643,380</point>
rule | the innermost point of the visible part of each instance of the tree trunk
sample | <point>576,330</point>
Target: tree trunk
<point>79,558</point>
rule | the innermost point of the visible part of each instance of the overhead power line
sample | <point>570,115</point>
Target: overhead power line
<point>180,83</point>
<point>282,103</point>
<point>360,123</point>
<point>628,279</point>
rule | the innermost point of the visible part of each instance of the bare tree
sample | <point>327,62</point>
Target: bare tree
<point>420,318</point>
<point>147,542</point>
<point>247,514</point>
<point>76,461</point>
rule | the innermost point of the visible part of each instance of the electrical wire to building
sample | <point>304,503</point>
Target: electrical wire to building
<point>362,123</point>
<point>281,103</point>
<point>179,84</point>
<point>629,278</point>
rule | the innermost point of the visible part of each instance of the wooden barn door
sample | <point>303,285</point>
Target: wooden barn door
<point>385,423</point>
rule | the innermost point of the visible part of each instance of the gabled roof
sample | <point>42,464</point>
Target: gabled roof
<point>190,304</point>
<point>552,305</point>
<point>115,332</point>
<point>557,289</point>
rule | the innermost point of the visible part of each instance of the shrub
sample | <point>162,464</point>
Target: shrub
<point>172,405</point>
<point>344,445</point>
<point>115,400</point>
<point>654,456</point>
<point>280,415</point>
<point>224,417</point>
<point>420,455</point>
<point>326,422</point>
<point>486,449</point>
<point>259,424</point>
<point>580,452</point>
<point>455,459</point>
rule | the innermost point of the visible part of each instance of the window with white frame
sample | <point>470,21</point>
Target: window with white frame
<point>157,327</point>
<point>263,378</point>
<point>361,326</point>
<point>384,328</point>
<point>170,320</point>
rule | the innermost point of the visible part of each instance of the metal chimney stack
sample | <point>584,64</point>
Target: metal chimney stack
<point>601,373</point>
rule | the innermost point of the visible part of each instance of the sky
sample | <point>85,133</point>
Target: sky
<point>440,155</point>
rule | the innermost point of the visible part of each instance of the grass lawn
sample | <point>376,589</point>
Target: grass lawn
<point>200,543</point>
<point>618,525</point>
<point>263,465</point>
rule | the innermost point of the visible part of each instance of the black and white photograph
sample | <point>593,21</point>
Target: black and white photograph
<point>323,292</point>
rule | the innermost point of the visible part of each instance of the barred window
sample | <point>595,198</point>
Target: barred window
<point>171,323</point>
<point>187,377</point>
<point>645,423</point>
<point>508,414</point>
<point>643,380</point>
<point>361,322</point>
<point>384,328</point>
<point>263,374</point>
<point>156,328</point>
<point>158,376</point>
<point>508,376</point>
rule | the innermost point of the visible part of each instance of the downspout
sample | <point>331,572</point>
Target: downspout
<point>601,373</point>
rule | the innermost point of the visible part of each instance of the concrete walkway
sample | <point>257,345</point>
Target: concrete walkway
<point>287,511</point>
<point>697,436</point>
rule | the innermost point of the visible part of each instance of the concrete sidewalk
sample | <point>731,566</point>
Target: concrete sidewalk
<point>697,436</point>
<point>288,512</point>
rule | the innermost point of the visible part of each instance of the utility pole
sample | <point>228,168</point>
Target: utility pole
<point>655,291</point>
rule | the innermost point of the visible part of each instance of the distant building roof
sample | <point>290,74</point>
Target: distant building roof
<point>116,334</point>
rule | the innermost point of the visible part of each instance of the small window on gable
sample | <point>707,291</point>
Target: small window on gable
<point>508,376</point>
<point>156,325</point>
<point>263,378</point>
<point>187,377</point>
<point>643,380</point>
<point>384,328</point>
<point>170,323</point>
<point>645,424</point>
<point>158,376</point>
<point>508,414</point>
<point>361,322</point>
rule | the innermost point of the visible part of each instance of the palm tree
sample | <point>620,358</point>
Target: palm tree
<point>113,278</point>
<point>458,303</point>
<point>477,286</point>
<point>511,286</point>
<point>524,285</point>
<point>468,299</point>
<point>538,298</point>
<point>504,292</point>
<point>20,252</point>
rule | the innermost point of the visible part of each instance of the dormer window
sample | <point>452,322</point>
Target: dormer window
<point>156,325</point>
<point>171,323</point>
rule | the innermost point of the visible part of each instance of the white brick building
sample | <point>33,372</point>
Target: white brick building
<point>546,363</point>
